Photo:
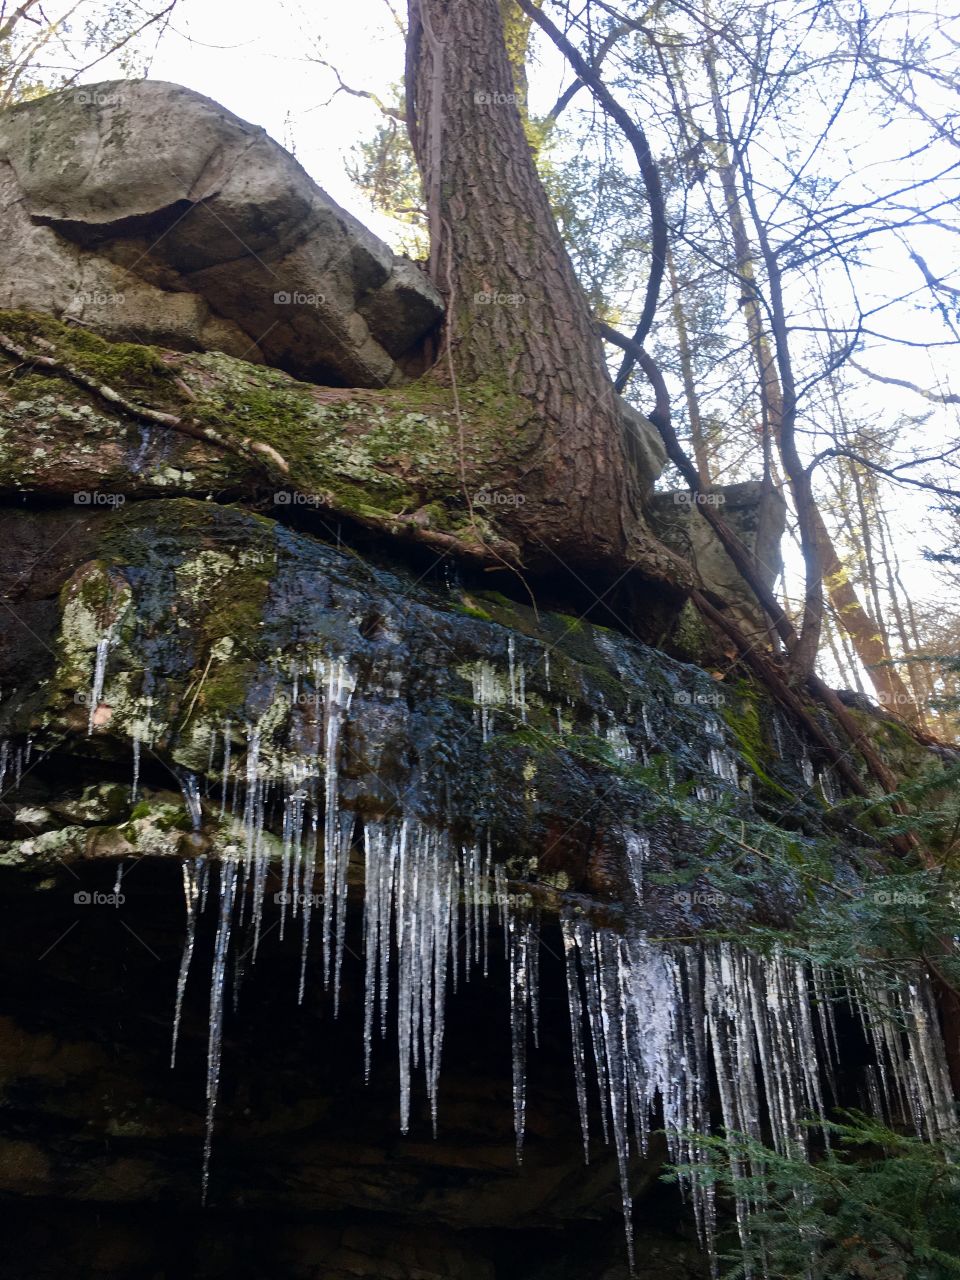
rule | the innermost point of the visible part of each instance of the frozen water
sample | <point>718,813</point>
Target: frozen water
<point>99,675</point>
<point>668,1027</point>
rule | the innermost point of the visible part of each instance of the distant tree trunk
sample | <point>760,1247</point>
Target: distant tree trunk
<point>518,319</point>
<point>701,453</point>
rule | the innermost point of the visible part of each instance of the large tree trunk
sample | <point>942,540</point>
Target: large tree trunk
<point>518,319</point>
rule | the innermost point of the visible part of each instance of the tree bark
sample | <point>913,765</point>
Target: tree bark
<point>518,319</point>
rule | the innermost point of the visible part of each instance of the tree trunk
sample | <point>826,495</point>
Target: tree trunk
<point>518,321</point>
<point>701,454</point>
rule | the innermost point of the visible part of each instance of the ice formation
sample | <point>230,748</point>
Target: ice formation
<point>665,1021</point>
<point>656,1029</point>
<point>99,675</point>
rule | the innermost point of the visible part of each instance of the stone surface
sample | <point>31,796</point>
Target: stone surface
<point>644,447</point>
<point>147,212</point>
<point>755,512</point>
<point>388,459</point>
<point>549,732</point>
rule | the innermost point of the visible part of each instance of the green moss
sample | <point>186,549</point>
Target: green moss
<point>691,637</point>
<point>743,720</point>
<point>136,371</point>
<point>572,626</point>
<point>381,457</point>
<point>471,611</point>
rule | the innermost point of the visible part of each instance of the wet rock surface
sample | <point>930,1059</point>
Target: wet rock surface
<point>467,711</point>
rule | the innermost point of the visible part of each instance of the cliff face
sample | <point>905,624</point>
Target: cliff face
<point>277,745</point>
<point>223,732</point>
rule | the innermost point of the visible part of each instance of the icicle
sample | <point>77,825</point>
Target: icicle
<point>135,739</point>
<point>902,1026</point>
<point>373,854</point>
<point>620,743</point>
<point>191,798</point>
<point>488,692</point>
<point>191,892</point>
<point>228,893</point>
<point>576,1027</point>
<point>418,870</point>
<point>663,1022</point>
<point>638,850</point>
<point>516,940</point>
<point>829,787</point>
<point>99,675</point>
<point>226,768</point>
<point>806,767</point>
<point>194,872</point>
<point>336,833</point>
<point>523,942</point>
<point>485,912</point>
<point>307,881</point>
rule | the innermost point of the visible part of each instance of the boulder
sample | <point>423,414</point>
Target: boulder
<point>146,212</point>
<point>755,512</point>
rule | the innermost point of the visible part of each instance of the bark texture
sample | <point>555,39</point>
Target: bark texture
<point>517,314</point>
